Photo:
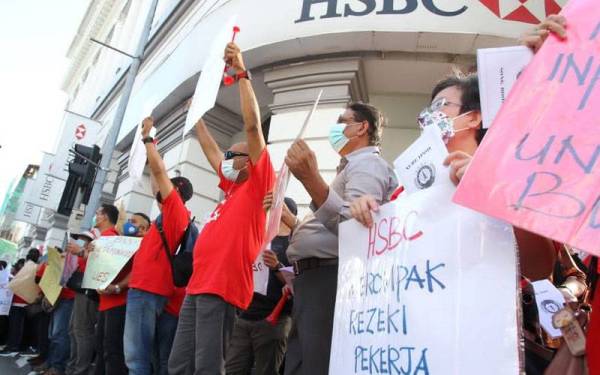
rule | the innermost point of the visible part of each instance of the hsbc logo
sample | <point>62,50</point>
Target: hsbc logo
<point>80,132</point>
<point>527,11</point>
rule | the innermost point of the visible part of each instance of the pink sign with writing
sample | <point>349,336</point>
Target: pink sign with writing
<point>538,166</point>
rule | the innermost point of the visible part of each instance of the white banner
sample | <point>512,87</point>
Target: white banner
<point>431,288</point>
<point>47,189</point>
<point>109,257</point>
<point>53,172</point>
<point>28,212</point>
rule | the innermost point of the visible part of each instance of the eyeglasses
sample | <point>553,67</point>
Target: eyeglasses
<point>440,103</point>
<point>232,154</point>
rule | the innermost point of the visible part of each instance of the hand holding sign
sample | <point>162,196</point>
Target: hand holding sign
<point>459,162</point>
<point>535,38</point>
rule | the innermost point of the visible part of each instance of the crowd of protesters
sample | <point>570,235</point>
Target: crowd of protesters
<point>144,322</point>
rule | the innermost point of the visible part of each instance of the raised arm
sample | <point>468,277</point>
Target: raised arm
<point>157,166</point>
<point>209,146</point>
<point>249,104</point>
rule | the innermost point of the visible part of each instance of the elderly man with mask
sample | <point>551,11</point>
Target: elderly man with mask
<point>313,248</point>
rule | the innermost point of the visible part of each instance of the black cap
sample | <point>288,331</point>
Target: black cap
<point>291,205</point>
<point>184,186</point>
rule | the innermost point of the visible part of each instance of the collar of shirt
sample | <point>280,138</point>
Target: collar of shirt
<point>112,231</point>
<point>362,152</point>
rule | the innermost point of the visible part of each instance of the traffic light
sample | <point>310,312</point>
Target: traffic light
<point>82,173</point>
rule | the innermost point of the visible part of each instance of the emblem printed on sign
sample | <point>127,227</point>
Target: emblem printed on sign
<point>425,176</point>
<point>80,132</point>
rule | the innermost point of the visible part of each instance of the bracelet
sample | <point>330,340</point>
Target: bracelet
<point>148,140</point>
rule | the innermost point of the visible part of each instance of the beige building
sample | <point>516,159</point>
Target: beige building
<point>389,53</point>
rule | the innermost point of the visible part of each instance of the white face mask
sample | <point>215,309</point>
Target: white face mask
<point>229,172</point>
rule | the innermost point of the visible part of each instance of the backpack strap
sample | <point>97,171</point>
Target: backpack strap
<point>164,241</point>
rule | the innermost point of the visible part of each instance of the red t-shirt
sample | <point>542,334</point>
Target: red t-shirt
<point>65,293</point>
<point>108,301</point>
<point>151,269</point>
<point>174,304</point>
<point>231,239</point>
<point>18,301</point>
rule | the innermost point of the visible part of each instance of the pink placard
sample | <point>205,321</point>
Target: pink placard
<point>538,166</point>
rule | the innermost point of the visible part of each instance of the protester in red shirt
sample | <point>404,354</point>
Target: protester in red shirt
<point>151,280</point>
<point>110,359</point>
<point>229,242</point>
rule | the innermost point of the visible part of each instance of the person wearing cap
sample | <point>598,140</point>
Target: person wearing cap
<point>254,343</point>
<point>110,359</point>
<point>229,242</point>
<point>85,306</point>
<point>151,281</point>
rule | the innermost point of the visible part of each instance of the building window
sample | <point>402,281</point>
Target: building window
<point>85,75</point>
<point>118,70</point>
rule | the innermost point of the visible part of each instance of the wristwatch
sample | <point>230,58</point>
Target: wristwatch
<point>245,74</point>
<point>147,140</point>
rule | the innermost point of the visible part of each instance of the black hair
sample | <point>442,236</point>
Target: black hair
<point>33,254</point>
<point>370,114</point>
<point>469,87</point>
<point>19,264</point>
<point>112,212</point>
<point>144,216</point>
<point>3,264</point>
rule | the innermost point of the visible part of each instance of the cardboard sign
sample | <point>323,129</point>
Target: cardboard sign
<point>498,69</point>
<point>421,165</point>
<point>50,282</point>
<point>23,284</point>
<point>109,257</point>
<point>538,166</point>
<point>430,288</point>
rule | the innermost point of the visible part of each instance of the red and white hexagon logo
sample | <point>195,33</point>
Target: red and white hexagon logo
<point>80,132</point>
<point>528,11</point>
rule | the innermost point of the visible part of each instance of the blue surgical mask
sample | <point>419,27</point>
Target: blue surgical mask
<point>94,221</point>
<point>130,230</point>
<point>80,243</point>
<point>229,172</point>
<point>337,138</point>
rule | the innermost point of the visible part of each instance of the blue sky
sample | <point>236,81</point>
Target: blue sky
<point>34,38</point>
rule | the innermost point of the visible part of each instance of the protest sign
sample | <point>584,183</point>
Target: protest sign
<point>260,273</point>
<point>50,282</point>
<point>6,295</point>
<point>537,166</point>
<point>209,82</point>
<point>421,165</point>
<point>71,265</point>
<point>137,158</point>
<point>498,70</point>
<point>430,288</point>
<point>549,301</point>
<point>109,257</point>
<point>23,284</point>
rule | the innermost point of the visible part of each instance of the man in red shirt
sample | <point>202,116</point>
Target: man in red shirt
<point>110,359</point>
<point>151,280</point>
<point>229,242</point>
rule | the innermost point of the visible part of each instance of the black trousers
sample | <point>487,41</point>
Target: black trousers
<point>309,343</point>
<point>110,358</point>
<point>16,324</point>
<point>42,322</point>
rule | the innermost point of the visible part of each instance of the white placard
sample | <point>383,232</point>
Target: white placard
<point>137,156</point>
<point>110,255</point>
<point>431,288</point>
<point>6,295</point>
<point>549,301</point>
<point>498,70</point>
<point>421,165</point>
<point>209,82</point>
